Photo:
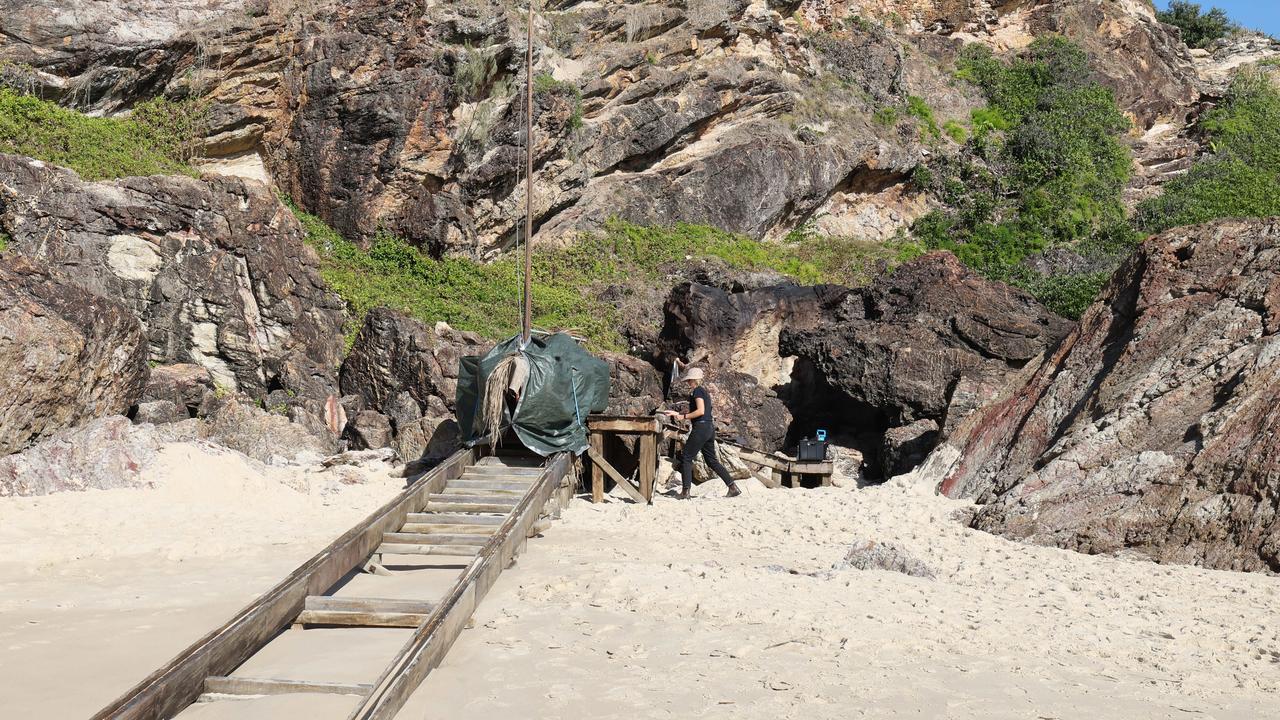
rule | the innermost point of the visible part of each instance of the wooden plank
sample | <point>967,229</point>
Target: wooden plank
<point>454,519</point>
<point>359,604</point>
<point>625,426</point>
<point>449,528</point>
<point>392,548</point>
<point>597,474</point>
<point>223,685</point>
<point>501,508</point>
<point>648,465</point>
<point>504,470</point>
<point>434,538</point>
<point>424,651</point>
<point>165,692</point>
<point>505,485</point>
<point>355,618</point>
<point>507,500</point>
<point>625,484</point>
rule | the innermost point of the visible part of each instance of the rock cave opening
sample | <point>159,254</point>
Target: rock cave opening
<point>815,404</point>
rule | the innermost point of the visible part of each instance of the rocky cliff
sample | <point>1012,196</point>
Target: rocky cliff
<point>755,117</point>
<point>1151,428</point>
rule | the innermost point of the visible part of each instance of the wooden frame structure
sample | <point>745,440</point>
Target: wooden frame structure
<point>206,665</point>
<point>784,469</point>
<point>648,430</point>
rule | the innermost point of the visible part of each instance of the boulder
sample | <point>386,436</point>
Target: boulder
<point>216,270</point>
<point>728,455</point>
<point>635,386</point>
<point>102,454</point>
<point>896,352</point>
<point>1150,429</point>
<point>907,446</point>
<point>370,430</point>
<point>873,555</point>
<point>183,386</point>
<point>270,437</point>
<point>394,354</point>
<point>66,355</point>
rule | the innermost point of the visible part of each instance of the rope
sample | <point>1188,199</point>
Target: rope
<point>577,411</point>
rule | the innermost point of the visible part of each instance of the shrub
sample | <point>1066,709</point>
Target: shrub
<point>920,110</point>
<point>1239,178</point>
<point>1198,29</point>
<point>1045,167</point>
<point>161,138</point>
<point>955,131</point>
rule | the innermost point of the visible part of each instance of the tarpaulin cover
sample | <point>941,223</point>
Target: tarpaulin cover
<point>566,383</point>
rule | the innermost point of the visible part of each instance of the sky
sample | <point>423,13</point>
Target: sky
<point>1261,15</point>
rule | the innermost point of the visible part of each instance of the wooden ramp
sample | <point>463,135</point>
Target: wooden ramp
<point>409,576</point>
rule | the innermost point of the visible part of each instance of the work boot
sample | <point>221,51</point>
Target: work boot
<point>734,491</point>
<point>684,494</point>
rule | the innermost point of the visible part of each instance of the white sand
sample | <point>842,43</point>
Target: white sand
<point>711,608</point>
<point>99,588</point>
<point>692,610</point>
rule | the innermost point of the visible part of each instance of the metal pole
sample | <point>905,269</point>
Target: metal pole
<point>527,320</point>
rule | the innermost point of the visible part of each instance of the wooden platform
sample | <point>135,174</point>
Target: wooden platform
<point>784,469</point>
<point>648,431</point>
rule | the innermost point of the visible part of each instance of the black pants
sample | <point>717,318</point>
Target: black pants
<point>701,440</point>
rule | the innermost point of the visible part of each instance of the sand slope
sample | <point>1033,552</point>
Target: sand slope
<point>730,608</point>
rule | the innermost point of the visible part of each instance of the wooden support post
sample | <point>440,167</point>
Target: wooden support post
<point>597,472</point>
<point>622,482</point>
<point>648,465</point>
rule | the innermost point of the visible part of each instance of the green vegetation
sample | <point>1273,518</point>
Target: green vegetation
<point>546,84</point>
<point>1199,29</point>
<point>161,136</point>
<point>1044,168</point>
<point>920,110</point>
<point>473,73</point>
<point>5,239</point>
<point>1240,178</point>
<point>886,116</point>
<point>955,131</point>
<point>481,297</point>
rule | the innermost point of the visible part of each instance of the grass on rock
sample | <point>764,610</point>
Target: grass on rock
<point>159,138</point>
<point>567,282</point>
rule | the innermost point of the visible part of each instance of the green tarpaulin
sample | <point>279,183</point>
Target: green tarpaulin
<point>566,383</point>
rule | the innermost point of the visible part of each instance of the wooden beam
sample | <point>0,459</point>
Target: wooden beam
<point>470,506</point>
<point>394,548</point>
<point>504,485</point>
<point>165,692</point>
<point>597,473</point>
<point>625,426</point>
<point>435,538</point>
<point>354,618</point>
<point>454,519</point>
<point>507,500</point>
<point>223,685</point>
<point>448,528</point>
<point>648,465</point>
<point>359,604</point>
<point>624,483</point>
<point>424,651</point>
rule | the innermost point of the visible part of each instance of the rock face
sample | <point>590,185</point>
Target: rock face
<point>102,454</point>
<point>408,372</point>
<point>896,352</point>
<point>216,271</point>
<point>735,331</point>
<point>1151,428</point>
<point>66,355</point>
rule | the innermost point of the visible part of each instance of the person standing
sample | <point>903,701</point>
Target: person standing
<point>702,437</point>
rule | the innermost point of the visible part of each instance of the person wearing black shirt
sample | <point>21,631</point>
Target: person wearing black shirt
<point>702,438</point>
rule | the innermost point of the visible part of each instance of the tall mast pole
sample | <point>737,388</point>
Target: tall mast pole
<point>527,319</point>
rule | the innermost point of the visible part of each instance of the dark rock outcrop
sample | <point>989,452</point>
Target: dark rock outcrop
<point>216,270</point>
<point>635,385</point>
<point>66,354</point>
<point>895,353</point>
<point>183,386</point>
<point>1152,427</point>
<point>394,353</point>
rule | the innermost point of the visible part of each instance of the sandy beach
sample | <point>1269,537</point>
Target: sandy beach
<point>713,608</point>
<point>99,588</point>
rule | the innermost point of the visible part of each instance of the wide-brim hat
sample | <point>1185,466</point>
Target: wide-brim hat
<point>693,374</point>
